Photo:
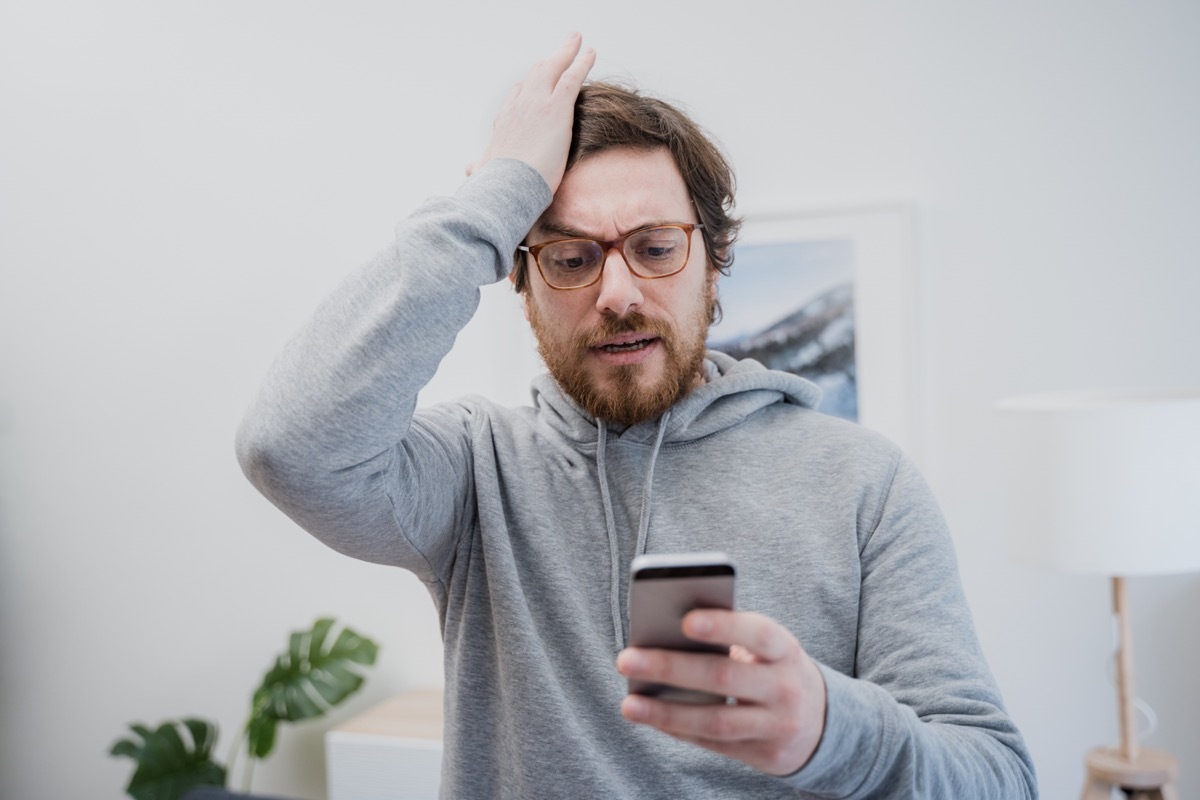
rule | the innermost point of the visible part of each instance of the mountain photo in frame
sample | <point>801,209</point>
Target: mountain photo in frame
<point>831,296</point>
<point>790,305</point>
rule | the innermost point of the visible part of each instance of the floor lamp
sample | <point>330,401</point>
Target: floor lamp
<point>1109,483</point>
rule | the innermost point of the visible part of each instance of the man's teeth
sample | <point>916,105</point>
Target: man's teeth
<point>622,348</point>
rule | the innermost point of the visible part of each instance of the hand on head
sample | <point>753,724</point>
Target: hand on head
<point>534,124</point>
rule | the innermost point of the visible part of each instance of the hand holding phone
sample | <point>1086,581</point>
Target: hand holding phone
<point>665,587</point>
<point>779,716</point>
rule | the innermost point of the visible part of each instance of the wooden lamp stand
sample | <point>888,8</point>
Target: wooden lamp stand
<point>1142,774</point>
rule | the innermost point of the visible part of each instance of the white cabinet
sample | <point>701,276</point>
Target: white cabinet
<point>392,751</point>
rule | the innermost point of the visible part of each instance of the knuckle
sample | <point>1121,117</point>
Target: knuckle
<point>662,667</point>
<point>788,729</point>
<point>723,674</point>
<point>679,672</point>
<point>776,756</point>
<point>721,727</point>
<point>794,651</point>
<point>788,693</point>
<point>764,640</point>
<point>662,715</point>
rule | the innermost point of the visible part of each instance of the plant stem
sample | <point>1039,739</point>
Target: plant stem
<point>248,770</point>
<point>233,753</point>
<point>248,773</point>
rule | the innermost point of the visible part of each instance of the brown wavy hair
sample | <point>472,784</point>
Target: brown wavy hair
<point>609,116</point>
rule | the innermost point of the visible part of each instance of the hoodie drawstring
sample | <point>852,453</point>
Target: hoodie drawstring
<point>619,631</point>
<point>647,490</point>
<point>613,553</point>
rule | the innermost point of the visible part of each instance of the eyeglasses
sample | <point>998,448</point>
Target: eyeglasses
<point>659,251</point>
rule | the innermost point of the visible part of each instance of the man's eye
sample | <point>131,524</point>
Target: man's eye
<point>572,258</point>
<point>656,251</point>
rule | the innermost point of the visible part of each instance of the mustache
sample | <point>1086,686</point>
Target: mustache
<point>633,322</point>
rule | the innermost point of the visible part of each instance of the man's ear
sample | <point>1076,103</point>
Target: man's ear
<point>512,278</point>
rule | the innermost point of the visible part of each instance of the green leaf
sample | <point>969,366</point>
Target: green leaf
<point>261,734</point>
<point>124,747</point>
<point>167,767</point>
<point>353,647</point>
<point>320,631</point>
<point>296,648</point>
<point>308,679</point>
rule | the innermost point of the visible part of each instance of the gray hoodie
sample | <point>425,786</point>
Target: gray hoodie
<point>522,522</point>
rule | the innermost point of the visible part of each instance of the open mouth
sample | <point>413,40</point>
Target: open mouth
<point>626,347</point>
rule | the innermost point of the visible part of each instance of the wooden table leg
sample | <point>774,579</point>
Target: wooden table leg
<point>1096,789</point>
<point>1151,776</point>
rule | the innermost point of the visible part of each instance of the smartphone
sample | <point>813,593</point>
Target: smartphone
<point>663,587</point>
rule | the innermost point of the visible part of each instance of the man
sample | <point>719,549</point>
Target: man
<point>853,662</point>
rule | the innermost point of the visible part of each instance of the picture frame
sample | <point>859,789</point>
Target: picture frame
<point>861,256</point>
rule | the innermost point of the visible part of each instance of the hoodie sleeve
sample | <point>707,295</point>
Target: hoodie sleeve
<point>922,716</point>
<point>330,438</point>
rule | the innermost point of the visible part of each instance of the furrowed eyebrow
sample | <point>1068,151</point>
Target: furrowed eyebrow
<point>564,231</point>
<point>567,232</point>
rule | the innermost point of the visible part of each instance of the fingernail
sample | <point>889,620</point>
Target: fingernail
<point>700,624</point>
<point>631,661</point>
<point>635,707</point>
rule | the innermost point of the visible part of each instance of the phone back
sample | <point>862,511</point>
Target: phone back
<point>657,607</point>
<point>656,610</point>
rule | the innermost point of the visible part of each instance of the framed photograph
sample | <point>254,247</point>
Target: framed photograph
<point>831,296</point>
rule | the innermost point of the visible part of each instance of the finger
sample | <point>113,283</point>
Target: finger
<point>748,733</point>
<point>707,672</point>
<point>763,637</point>
<point>699,723</point>
<point>551,69</point>
<point>574,76</point>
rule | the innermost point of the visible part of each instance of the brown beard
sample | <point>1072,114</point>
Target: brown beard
<point>625,399</point>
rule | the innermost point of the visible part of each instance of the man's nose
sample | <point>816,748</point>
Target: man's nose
<point>620,292</point>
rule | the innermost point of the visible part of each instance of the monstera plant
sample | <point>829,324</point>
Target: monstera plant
<point>316,672</point>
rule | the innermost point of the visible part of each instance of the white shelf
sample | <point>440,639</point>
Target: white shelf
<point>392,751</point>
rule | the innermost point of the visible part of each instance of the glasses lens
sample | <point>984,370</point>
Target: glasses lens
<point>657,251</point>
<point>570,263</point>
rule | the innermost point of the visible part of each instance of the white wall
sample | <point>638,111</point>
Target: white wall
<point>180,183</point>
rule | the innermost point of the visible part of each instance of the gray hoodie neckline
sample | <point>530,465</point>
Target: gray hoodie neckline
<point>733,391</point>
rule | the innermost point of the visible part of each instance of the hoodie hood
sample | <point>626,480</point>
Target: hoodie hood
<point>733,391</point>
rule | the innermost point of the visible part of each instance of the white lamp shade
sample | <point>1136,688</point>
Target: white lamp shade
<point>1106,482</point>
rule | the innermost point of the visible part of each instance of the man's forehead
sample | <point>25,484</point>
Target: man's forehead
<point>612,192</point>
